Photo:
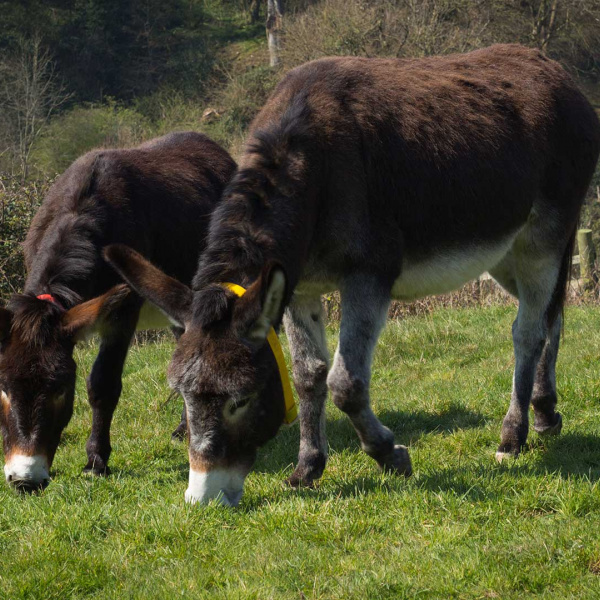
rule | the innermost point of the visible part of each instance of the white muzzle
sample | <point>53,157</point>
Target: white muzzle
<point>223,485</point>
<point>27,471</point>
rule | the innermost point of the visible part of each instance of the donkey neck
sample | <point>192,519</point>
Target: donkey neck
<point>259,221</point>
<point>64,260</point>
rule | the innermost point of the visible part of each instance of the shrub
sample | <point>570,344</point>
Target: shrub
<point>383,28</point>
<point>85,127</point>
<point>18,204</point>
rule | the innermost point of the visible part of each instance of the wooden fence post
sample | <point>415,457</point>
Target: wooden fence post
<point>587,257</point>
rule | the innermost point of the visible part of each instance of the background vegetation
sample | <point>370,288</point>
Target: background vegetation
<point>78,74</point>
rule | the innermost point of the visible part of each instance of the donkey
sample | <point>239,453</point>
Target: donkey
<point>381,178</point>
<point>157,198</point>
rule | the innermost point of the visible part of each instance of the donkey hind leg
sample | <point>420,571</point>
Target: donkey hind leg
<point>303,322</point>
<point>535,279</point>
<point>104,384</point>
<point>546,420</point>
<point>365,304</point>
<point>180,431</point>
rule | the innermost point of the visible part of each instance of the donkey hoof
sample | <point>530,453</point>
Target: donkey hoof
<point>547,430</point>
<point>297,481</point>
<point>96,470</point>
<point>398,462</point>
<point>502,455</point>
<point>178,435</point>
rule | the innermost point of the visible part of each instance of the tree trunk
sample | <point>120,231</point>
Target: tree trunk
<point>274,30</point>
<point>254,11</point>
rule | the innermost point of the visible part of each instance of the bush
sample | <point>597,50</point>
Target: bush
<point>86,127</point>
<point>18,204</point>
<point>237,103</point>
<point>392,28</point>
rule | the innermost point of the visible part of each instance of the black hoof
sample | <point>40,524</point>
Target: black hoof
<point>546,430</point>
<point>179,435</point>
<point>96,470</point>
<point>398,462</point>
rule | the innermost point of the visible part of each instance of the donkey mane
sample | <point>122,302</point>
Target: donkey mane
<point>242,236</point>
<point>71,256</point>
<point>65,241</point>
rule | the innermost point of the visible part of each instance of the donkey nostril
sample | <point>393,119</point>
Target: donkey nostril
<point>10,478</point>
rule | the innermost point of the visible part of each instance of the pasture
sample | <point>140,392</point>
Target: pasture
<point>462,527</point>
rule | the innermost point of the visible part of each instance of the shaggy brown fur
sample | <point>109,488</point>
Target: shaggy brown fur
<point>389,178</point>
<point>157,198</point>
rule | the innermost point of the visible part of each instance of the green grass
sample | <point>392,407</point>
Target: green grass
<point>461,527</point>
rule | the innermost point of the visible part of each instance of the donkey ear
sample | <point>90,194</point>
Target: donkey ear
<point>82,320</point>
<point>171,296</point>
<point>273,284</point>
<point>5,323</point>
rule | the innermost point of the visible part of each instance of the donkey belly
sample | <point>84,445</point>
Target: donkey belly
<point>448,269</point>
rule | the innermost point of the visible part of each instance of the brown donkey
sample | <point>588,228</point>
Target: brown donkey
<point>383,179</point>
<point>157,198</point>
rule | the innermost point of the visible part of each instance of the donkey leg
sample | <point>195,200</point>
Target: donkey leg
<point>104,386</point>
<point>536,281</point>
<point>546,420</point>
<point>365,304</point>
<point>180,431</point>
<point>303,321</point>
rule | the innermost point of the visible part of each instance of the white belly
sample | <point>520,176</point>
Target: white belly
<point>152,318</point>
<point>448,270</point>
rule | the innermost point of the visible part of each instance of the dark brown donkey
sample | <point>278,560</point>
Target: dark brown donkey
<point>383,179</point>
<point>157,198</point>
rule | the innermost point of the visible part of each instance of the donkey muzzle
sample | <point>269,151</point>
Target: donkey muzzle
<point>27,473</point>
<point>225,485</point>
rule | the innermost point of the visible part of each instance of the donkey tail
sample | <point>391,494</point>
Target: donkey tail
<point>557,302</point>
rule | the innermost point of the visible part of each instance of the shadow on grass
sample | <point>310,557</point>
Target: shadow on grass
<point>408,427</point>
<point>568,456</point>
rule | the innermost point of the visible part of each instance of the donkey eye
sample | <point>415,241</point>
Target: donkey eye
<point>236,403</point>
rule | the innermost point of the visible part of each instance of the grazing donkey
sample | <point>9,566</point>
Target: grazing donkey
<point>382,178</point>
<point>157,198</point>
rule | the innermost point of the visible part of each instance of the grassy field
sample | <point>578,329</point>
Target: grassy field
<point>461,527</point>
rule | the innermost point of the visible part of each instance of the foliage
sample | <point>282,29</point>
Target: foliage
<point>383,28</point>
<point>122,49</point>
<point>30,95</point>
<point>18,203</point>
<point>461,527</point>
<point>425,27</point>
<point>82,128</point>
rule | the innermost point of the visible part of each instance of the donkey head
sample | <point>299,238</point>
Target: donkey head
<point>37,379</point>
<point>223,368</point>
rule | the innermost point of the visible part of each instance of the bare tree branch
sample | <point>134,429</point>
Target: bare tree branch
<point>30,94</point>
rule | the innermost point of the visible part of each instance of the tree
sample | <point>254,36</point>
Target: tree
<point>30,94</point>
<point>274,30</point>
<point>255,11</point>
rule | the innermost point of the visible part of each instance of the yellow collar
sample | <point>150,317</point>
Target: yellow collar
<point>291,410</point>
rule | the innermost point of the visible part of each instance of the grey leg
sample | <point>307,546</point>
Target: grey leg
<point>365,303</point>
<point>535,279</point>
<point>303,322</point>
<point>546,420</point>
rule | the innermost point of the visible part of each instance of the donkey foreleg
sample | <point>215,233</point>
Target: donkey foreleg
<point>180,431</point>
<point>104,385</point>
<point>303,322</point>
<point>365,304</point>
